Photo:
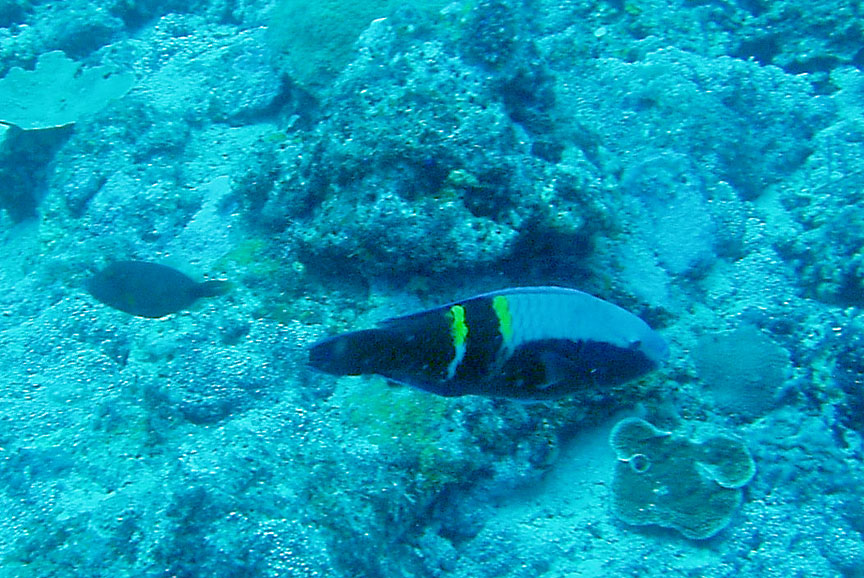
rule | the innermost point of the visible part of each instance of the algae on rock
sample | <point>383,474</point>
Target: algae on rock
<point>317,38</point>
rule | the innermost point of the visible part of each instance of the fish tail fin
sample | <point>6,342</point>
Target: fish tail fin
<point>353,353</point>
<point>213,288</point>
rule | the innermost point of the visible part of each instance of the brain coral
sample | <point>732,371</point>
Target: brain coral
<point>671,481</point>
<point>742,370</point>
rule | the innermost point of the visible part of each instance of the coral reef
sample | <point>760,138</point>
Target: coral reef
<point>316,39</point>
<point>671,481</point>
<point>35,106</point>
<point>750,386</point>
<point>698,162</point>
<point>416,146</point>
<point>849,376</point>
<point>57,93</point>
<point>825,201</point>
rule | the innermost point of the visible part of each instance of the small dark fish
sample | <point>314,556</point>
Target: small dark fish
<point>523,343</point>
<point>148,289</point>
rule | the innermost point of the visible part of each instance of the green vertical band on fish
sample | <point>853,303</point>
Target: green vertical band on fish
<point>459,333</point>
<point>505,320</point>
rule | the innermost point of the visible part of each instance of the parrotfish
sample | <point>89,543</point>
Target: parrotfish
<point>149,289</point>
<point>529,343</point>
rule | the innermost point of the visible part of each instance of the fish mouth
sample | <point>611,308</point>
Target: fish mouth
<point>655,348</point>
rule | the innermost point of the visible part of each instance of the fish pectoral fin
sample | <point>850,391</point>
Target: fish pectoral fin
<point>438,387</point>
<point>396,379</point>
<point>557,368</point>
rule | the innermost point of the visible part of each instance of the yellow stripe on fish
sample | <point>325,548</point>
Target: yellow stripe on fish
<point>459,333</point>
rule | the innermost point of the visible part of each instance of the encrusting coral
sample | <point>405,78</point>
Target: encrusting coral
<point>749,387</point>
<point>670,481</point>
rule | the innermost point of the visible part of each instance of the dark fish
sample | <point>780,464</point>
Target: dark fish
<point>148,289</point>
<point>523,343</point>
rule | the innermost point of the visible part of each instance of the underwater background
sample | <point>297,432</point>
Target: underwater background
<point>697,162</point>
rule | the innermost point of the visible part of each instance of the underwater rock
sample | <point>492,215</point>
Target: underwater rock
<point>701,107</point>
<point>671,481</point>
<point>318,39</point>
<point>25,157</point>
<point>418,145</point>
<point>849,376</point>
<point>679,225</point>
<point>825,200</point>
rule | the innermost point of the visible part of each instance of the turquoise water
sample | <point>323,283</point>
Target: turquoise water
<point>698,163</point>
